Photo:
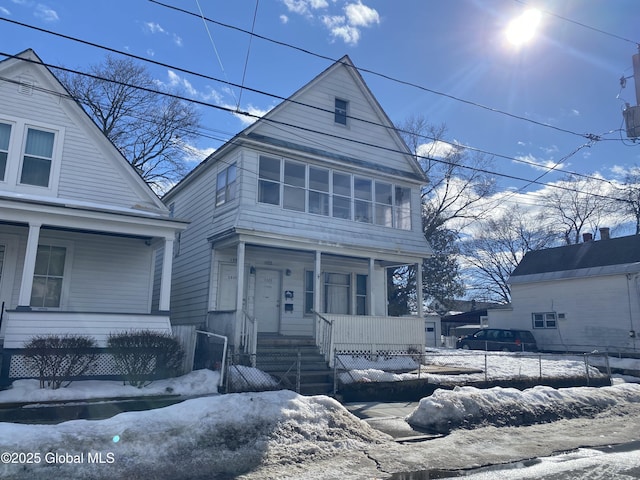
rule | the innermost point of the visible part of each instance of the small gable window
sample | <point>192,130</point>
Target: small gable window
<point>340,115</point>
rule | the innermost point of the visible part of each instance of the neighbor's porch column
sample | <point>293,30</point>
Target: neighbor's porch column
<point>419,294</point>
<point>240,254</point>
<point>29,267</point>
<point>165,279</point>
<point>370,289</point>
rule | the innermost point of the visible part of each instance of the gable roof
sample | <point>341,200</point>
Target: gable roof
<point>29,63</point>
<point>253,133</point>
<point>601,255</point>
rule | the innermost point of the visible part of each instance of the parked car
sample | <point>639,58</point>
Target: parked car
<point>505,340</point>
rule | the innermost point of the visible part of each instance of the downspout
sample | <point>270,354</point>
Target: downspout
<point>632,332</point>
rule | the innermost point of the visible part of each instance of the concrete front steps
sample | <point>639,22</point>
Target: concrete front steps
<point>278,356</point>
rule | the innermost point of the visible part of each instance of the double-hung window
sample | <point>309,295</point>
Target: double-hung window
<point>384,202</point>
<point>544,320</point>
<point>342,195</point>
<point>403,208</point>
<point>38,157</point>
<point>269,180</point>
<point>5,136</point>
<point>294,186</point>
<point>340,112</point>
<point>48,276</point>
<point>318,191</point>
<point>226,185</point>
<point>363,207</point>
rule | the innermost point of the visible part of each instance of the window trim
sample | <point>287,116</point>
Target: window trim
<point>66,274</point>
<point>549,320</point>
<point>16,153</point>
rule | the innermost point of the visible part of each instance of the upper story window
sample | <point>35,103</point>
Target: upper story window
<point>37,159</point>
<point>226,185</point>
<point>321,191</point>
<point>30,155</point>
<point>340,115</point>
<point>5,135</point>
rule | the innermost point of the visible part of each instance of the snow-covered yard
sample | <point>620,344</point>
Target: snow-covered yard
<point>285,435</point>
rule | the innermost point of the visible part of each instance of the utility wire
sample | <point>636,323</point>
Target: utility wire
<point>588,136</point>
<point>289,125</point>
<point>285,99</point>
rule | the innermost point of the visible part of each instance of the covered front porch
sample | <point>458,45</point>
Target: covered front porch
<point>333,294</point>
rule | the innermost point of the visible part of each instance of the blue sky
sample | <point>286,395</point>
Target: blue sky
<point>567,76</point>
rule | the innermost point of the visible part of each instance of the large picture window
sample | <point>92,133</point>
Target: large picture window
<point>37,159</point>
<point>48,276</point>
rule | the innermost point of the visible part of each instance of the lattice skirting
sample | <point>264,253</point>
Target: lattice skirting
<point>16,366</point>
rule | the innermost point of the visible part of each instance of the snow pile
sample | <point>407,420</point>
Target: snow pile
<point>467,407</point>
<point>243,378</point>
<point>384,362</point>
<point>209,437</point>
<point>198,382</point>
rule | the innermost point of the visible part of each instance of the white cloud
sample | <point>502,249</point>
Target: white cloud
<point>150,52</point>
<point>540,164</point>
<point>436,149</point>
<point>154,27</point>
<point>4,11</point>
<point>284,19</point>
<point>176,81</point>
<point>255,114</point>
<point>345,25</point>
<point>360,15</point>
<point>177,40</point>
<point>46,13</point>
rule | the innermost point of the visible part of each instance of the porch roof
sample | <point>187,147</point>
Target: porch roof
<point>389,257</point>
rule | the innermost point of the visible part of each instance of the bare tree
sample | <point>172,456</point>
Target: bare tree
<point>495,251</point>
<point>150,129</point>
<point>457,185</point>
<point>630,200</point>
<point>577,207</point>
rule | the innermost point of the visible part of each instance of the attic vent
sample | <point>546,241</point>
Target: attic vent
<point>25,87</point>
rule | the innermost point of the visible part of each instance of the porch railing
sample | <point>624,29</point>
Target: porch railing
<point>324,336</point>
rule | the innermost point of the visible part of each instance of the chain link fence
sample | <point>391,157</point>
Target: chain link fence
<point>264,372</point>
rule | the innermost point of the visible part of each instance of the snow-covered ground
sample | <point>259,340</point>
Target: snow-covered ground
<point>285,435</point>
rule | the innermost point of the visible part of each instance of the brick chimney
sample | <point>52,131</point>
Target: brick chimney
<point>604,233</point>
<point>587,237</point>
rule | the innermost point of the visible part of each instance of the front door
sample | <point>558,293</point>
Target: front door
<point>267,300</point>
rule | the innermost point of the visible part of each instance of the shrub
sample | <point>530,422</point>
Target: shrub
<point>145,354</point>
<point>60,358</point>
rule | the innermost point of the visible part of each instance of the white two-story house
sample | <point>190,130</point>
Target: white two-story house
<point>79,228</point>
<point>296,219</point>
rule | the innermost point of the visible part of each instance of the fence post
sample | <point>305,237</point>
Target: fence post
<point>485,367</point>
<point>299,360</point>
<point>540,365</point>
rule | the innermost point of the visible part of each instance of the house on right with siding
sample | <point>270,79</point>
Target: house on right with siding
<point>578,298</point>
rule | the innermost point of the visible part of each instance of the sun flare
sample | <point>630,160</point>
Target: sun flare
<point>523,28</point>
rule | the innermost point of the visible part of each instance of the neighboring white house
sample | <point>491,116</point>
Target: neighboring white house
<point>78,226</point>
<point>295,220</point>
<point>578,298</point>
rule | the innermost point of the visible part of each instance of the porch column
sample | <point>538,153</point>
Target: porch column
<point>370,289</point>
<point>419,293</point>
<point>317,284</point>
<point>165,279</point>
<point>29,267</point>
<point>239,293</point>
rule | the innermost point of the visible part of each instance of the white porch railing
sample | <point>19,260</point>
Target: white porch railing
<point>361,334</point>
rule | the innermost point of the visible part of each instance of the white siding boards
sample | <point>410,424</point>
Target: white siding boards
<point>82,236</point>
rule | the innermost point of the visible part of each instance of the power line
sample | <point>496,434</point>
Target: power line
<point>588,136</point>
<point>289,125</point>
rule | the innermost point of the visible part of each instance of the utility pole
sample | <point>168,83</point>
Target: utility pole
<point>631,114</point>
